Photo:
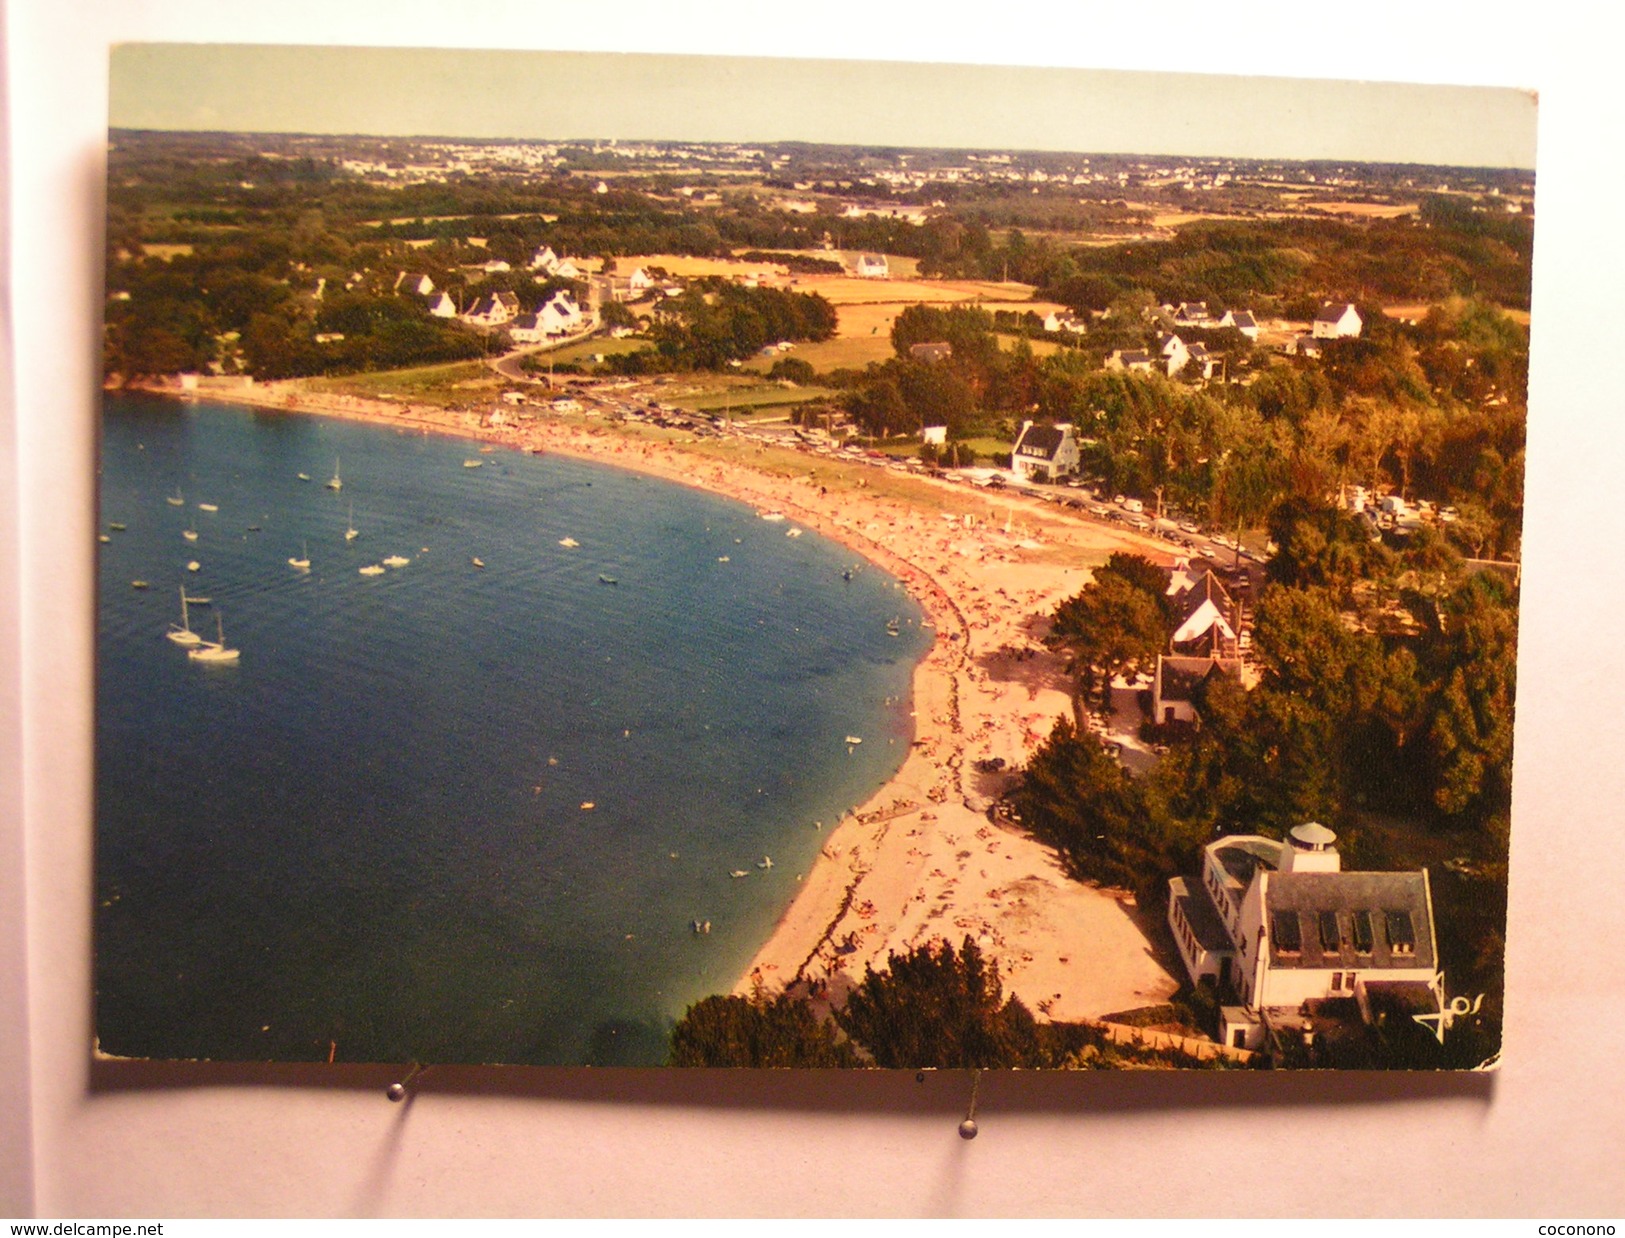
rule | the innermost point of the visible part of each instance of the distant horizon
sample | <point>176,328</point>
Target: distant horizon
<point>462,95</point>
<point>602,140</point>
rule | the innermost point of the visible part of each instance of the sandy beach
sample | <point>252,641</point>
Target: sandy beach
<point>921,860</point>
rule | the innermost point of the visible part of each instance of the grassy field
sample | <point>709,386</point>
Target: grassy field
<point>429,384</point>
<point>581,353</point>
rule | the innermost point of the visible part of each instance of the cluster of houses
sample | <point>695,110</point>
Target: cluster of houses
<point>559,317</point>
<point>1175,351</point>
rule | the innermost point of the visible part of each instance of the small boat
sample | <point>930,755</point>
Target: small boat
<point>253,528</point>
<point>372,569</point>
<point>117,527</point>
<point>198,601</point>
<point>396,561</point>
<point>478,562</point>
<point>724,559</point>
<point>304,477</point>
<point>103,537</point>
<point>569,542</point>
<point>774,516</point>
<point>189,534</point>
<point>738,872</point>
<point>139,584</point>
<point>894,628</point>
<point>182,633</point>
<point>607,580</point>
<point>472,464</point>
<point>587,805</point>
<point>214,650</point>
<point>765,862</point>
<point>350,531</point>
<point>303,562</point>
<point>334,482</point>
<point>208,507</point>
<point>854,740</point>
<point>485,451</point>
<point>193,565</point>
<point>176,500</point>
<point>792,532</point>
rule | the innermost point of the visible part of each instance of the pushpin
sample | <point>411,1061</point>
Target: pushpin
<point>397,1091</point>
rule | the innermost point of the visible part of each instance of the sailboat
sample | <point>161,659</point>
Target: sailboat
<point>350,531</point>
<point>183,635</point>
<point>176,499</point>
<point>303,562</point>
<point>335,482</point>
<point>215,650</point>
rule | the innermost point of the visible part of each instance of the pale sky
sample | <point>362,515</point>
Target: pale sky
<point>550,95</point>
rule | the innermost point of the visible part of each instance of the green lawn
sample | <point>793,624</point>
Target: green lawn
<point>430,384</point>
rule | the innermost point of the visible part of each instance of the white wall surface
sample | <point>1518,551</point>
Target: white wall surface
<point>1542,1137</point>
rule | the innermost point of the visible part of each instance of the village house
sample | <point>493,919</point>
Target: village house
<point>442,306</point>
<point>1055,321</point>
<point>1204,361</point>
<point>1175,354</point>
<point>872,266</point>
<point>1241,320</point>
<point>1047,452</point>
<point>544,260</point>
<point>1302,952</point>
<point>1337,322</point>
<point>493,310</point>
<point>1130,359</point>
<point>1179,681</point>
<point>1304,346</point>
<point>1192,314</point>
<point>414,283</point>
<point>1205,621</point>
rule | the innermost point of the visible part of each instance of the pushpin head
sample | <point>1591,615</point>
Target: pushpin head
<point>967,1129</point>
<point>396,1092</point>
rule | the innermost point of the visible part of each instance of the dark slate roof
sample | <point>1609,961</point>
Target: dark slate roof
<point>1331,313</point>
<point>1397,904</point>
<point>1206,589</point>
<point>525,322</point>
<point>1041,441</point>
<point>1180,677</point>
<point>1244,318</point>
<point>1133,356</point>
<point>1200,914</point>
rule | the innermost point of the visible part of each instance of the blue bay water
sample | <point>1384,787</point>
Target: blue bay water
<point>370,831</point>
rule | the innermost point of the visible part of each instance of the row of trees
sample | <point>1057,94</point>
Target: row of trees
<point>715,322</point>
<point>935,1006</point>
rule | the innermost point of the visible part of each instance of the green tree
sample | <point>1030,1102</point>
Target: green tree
<point>935,1006</point>
<point>740,1031</point>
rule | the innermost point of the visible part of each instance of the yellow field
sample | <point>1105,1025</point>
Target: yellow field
<point>1363,210</point>
<point>166,252</point>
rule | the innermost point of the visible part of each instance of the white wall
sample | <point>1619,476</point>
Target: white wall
<point>1541,1137</point>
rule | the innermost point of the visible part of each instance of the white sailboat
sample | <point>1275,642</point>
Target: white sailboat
<point>183,634</point>
<point>350,531</point>
<point>303,562</point>
<point>335,482</point>
<point>214,650</point>
<point>177,499</point>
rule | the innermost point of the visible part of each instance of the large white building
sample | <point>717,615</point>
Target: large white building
<point>1301,949</point>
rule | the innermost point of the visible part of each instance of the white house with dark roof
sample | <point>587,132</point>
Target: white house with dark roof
<point>493,310</point>
<point>1130,359</point>
<point>415,283</point>
<point>1241,320</point>
<point>1179,680</point>
<point>1302,945</point>
<point>544,260</point>
<point>1205,620</point>
<point>1192,314</point>
<point>1175,354</point>
<point>1337,322</point>
<point>442,306</point>
<point>560,315</point>
<point>1049,452</point>
<point>872,266</point>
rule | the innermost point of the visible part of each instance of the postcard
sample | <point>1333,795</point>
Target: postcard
<point>781,564</point>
